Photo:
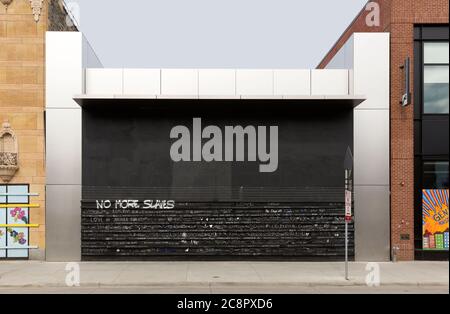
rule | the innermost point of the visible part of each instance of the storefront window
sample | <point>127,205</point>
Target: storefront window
<point>435,206</point>
<point>436,78</point>
<point>435,175</point>
<point>14,240</point>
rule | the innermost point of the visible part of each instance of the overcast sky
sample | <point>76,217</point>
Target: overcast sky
<point>214,33</point>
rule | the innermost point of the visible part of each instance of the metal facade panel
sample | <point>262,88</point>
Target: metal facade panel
<point>63,222</point>
<point>372,223</point>
<point>63,146</point>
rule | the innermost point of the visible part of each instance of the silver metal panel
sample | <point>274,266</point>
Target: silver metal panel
<point>372,69</point>
<point>254,82</point>
<point>63,221</point>
<point>63,146</point>
<point>104,81</point>
<point>372,223</point>
<point>371,152</point>
<point>329,82</point>
<point>213,82</point>
<point>141,82</point>
<point>63,68</point>
<point>179,82</point>
<point>292,82</point>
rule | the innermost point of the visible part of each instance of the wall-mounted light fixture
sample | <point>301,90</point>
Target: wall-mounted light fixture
<point>406,98</point>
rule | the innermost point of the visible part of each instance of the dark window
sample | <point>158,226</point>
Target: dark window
<point>436,78</point>
<point>435,175</point>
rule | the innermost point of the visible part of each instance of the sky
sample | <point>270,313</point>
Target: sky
<point>213,33</point>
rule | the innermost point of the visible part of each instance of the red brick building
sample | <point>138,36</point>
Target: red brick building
<point>412,26</point>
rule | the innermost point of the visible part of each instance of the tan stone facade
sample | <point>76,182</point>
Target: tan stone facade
<point>398,17</point>
<point>22,98</point>
<point>22,90</point>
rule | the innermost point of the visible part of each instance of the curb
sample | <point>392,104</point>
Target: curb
<point>229,284</point>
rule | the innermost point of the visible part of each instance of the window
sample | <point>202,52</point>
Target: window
<point>14,240</point>
<point>436,78</point>
<point>436,53</point>
<point>435,175</point>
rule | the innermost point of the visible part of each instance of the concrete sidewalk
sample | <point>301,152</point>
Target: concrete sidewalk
<point>43,274</point>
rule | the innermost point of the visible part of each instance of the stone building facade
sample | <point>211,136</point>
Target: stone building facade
<point>23,24</point>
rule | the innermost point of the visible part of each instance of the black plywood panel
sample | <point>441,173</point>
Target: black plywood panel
<point>228,230</point>
<point>224,210</point>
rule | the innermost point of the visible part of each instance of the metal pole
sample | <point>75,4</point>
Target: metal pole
<point>348,167</point>
<point>346,251</point>
<point>346,230</point>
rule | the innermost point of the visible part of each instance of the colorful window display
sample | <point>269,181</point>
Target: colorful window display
<point>435,219</point>
<point>12,236</point>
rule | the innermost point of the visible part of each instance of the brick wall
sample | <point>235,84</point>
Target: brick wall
<point>398,17</point>
<point>359,25</point>
<point>22,101</point>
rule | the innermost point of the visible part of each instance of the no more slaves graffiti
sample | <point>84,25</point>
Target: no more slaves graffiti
<point>135,204</point>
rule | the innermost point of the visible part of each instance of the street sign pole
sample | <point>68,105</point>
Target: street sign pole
<point>348,167</point>
<point>348,216</point>
<point>346,250</point>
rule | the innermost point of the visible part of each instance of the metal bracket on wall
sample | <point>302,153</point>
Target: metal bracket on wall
<point>32,247</point>
<point>19,205</point>
<point>406,98</point>
<point>19,194</point>
<point>19,225</point>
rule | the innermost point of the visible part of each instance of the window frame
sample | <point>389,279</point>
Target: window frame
<point>428,161</point>
<point>7,201</point>
<point>424,65</point>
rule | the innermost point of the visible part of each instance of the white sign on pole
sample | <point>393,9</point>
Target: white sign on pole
<point>348,206</point>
